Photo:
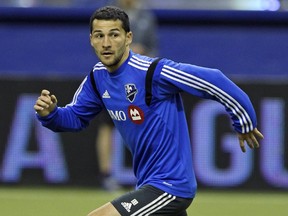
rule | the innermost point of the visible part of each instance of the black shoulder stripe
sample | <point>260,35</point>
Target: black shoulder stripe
<point>148,81</point>
<point>92,79</point>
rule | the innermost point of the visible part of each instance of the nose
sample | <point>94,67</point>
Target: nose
<point>106,42</point>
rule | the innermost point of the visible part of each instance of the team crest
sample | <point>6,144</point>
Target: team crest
<point>131,92</point>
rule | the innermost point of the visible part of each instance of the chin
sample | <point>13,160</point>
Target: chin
<point>106,62</point>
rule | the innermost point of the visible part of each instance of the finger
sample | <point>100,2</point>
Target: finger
<point>53,99</point>
<point>38,108</point>
<point>257,133</point>
<point>250,142</point>
<point>44,101</point>
<point>242,145</point>
<point>45,92</point>
<point>254,141</point>
<point>46,96</point>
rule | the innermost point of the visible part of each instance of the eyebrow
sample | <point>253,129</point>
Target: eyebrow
<point>115,29</point>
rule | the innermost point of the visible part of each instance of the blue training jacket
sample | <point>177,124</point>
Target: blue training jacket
<point>157,135</point>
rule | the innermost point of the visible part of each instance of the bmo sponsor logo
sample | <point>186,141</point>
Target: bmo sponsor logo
<point>117,115</point>
<point>136,114</point>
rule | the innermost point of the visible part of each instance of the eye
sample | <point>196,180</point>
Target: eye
<point>114,35</point>
<point>98,36</point>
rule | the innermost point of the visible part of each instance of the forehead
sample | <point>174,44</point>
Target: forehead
<point>107,25</point>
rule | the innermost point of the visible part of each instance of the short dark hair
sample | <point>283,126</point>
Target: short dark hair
<point>111,13</point>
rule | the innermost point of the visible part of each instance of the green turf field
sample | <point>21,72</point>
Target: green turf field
<point>78,202</point>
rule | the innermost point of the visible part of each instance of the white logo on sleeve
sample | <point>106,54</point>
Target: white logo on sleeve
<point>128,205</point>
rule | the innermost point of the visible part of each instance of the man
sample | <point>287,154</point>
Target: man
<point>142,20</point>
<point>154,129</point>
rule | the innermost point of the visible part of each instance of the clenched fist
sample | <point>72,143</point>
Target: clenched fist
<point>45,103</point>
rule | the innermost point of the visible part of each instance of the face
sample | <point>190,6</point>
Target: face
<point>110,42</point>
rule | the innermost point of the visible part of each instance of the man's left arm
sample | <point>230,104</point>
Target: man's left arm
<point>213,84</point>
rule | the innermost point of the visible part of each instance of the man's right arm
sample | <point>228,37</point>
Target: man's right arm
<point>75,116</point>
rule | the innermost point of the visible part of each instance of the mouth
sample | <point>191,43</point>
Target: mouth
<point>107,53</point>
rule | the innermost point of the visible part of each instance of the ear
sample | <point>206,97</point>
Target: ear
<point>129,37</point>
<point>90,36</point>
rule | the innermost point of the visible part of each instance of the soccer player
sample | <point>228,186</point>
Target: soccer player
<point>142,20</point>
<point>147,110</point>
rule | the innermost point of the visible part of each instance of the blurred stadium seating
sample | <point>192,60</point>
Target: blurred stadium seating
<point>160,4</point>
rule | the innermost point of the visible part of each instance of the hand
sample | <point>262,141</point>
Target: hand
<point>250,138</point>
<point>45,104</point>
